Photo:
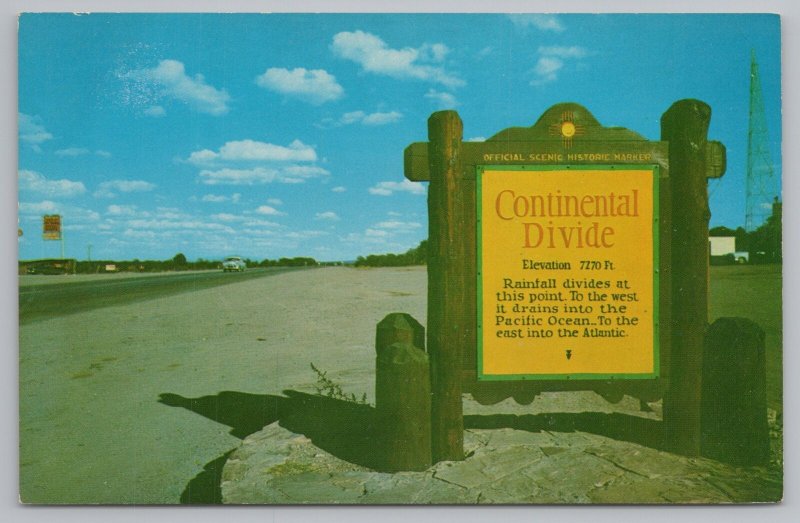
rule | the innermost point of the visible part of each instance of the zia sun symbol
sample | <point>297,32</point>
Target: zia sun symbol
<point>566,128</point>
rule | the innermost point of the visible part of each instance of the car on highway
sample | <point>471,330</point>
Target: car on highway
<point>233,263</point>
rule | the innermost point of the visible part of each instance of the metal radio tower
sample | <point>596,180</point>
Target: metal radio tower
<point>761,186</point>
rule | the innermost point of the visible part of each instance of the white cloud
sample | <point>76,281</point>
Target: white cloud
<point>339,189</point>
<point>315,86</point>
<point>546,70</point>
<point>443,100</point>
<point>388,188</point>
<point>70,214</point>
<point>171,213</point>
<point>433,52</point>
<point>156,111</point>
<point>374,56</point>
<point>398,226</point>
<point>268,210</point>
<point>378,241</point>
<point>250,222</point>
<point>245,221</point>
<point>121,210</point>
<point>140,235</point>
<point>78,214</point>
<point>552,59</point>
<point>249,162</point>
<point>477,139</point>
<point>81,151</point>
<point>256,176</point>
<point>111,188</point>
<point>373,119</point>
<point>274,201</point>
<point>537,21</point>
<point>177,225</point>
<point>33,181</point>
<point>254,151</point>
<point>354,117</point>
<point>563,51</point>
<point>32,132</point>
<point>391,235</point>
<point>304,235</point>
<point>382,118</point>
<point>214,198</point>
<point>45,206</point>
<point>327,215</point>
<point>226,217</point>
<point>72,151</point>
<point>221,233</point>
<point>171,78</point>
<point>376,233</point>
<point>303,171</point>
<point>297,151</point>
<point>203,157</point>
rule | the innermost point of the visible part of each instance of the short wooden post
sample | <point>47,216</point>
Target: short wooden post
<point>734,397</point>
<point>399,327</point>
<point>685,127</point>
<point>446,283</point>
<point>402,394</point>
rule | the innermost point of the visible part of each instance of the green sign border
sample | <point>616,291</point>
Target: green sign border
<point>654,168</point>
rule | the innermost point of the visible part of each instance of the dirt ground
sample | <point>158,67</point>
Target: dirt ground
<point>92,428</point>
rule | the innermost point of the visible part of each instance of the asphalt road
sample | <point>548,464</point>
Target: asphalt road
<point>37,302</point>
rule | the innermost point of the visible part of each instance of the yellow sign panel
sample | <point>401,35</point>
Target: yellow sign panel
<point>568,272</point>
<point>51,227</point>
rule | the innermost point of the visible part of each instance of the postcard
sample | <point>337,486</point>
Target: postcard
<point>403,259</point>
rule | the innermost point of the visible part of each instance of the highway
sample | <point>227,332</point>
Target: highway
<point>38,302</point>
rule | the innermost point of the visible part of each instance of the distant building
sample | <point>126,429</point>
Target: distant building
<point>722,251</point>
<point>722,245</point>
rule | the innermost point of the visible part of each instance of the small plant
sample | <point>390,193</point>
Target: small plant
<point>329,388</point>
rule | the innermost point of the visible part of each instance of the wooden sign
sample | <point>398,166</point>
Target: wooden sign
<point>567,272</point>
<point>491,220</point>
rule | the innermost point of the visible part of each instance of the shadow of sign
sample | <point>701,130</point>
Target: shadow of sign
<point>347,429</point>
<point>204,489</point>
<point>342,428</point>
<point>244,413</point>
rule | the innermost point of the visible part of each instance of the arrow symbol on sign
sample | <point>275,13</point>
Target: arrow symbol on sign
<point>569,354</point>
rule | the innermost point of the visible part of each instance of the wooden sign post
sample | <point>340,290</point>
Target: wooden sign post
<point>555,264</point>
<point>448,275</point>
<point>693,159</point>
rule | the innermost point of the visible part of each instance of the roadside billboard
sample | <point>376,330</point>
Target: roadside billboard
<point>51,227</point>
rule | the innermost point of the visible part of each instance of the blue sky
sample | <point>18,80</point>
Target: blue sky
<point>283,135</point>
